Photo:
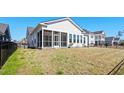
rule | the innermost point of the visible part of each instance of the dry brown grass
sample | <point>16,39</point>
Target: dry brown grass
<point>69,60</point>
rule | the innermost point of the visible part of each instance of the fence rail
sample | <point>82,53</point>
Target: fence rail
<point>6,49</point>
<point>116,68</point>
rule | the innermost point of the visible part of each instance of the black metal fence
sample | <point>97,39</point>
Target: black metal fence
<point>6,49</point>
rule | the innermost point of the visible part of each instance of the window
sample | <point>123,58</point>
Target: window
<point>77,38</point>
<point>99,36</point>
<point>63,39</point>
<point>81,39</point>
<point>74,38</point>
<point>96,37</point>
<point>91,36</point>
<point>34,41</point>
<point>38,41</point>
<point>84,40</point>
<point>70,38</point>
<point>103,36</point>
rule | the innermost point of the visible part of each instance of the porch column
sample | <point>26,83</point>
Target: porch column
<point>42,37</point>
<point>52,39</point>
<point>60,39</point>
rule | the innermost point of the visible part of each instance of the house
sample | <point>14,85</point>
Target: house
<point>121,41</point>
<point>28,36</point>
<point>4,32</point>
<point>22,43</point>
<point>95,38</point>
<point>60,33</point>
<point>99,38</point>
<point>112,41</point>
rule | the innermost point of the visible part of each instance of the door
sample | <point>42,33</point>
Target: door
<point>56,41</point>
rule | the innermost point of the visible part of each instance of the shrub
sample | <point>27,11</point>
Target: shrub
<point>60,72</point>
<point>121,44</point>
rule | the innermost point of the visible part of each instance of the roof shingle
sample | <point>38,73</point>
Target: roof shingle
<point>3,28</point>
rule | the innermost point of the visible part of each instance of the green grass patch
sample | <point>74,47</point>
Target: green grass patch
<point>13,63</point>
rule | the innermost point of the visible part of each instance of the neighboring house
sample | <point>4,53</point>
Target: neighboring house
<point>112,41</point>
<point>99,37</point>
<point>57,33</point>
<point>23,43</point>
<point>90,37</point>
<point>95,38</point>
<point>29,36</point>
<point>4,32</point>
<point>121,41</point>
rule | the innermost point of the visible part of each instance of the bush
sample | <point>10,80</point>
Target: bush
<point>60,72</point>
<point>121,44</point>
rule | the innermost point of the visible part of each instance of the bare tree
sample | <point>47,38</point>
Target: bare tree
<point>120,33</point>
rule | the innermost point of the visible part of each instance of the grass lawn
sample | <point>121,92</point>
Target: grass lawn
<point>63,61</point>
<point>121,71</point>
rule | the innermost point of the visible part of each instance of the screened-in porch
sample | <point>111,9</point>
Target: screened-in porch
<point>49,38</point>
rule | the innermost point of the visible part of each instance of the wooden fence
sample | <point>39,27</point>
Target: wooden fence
<point>6,49</point>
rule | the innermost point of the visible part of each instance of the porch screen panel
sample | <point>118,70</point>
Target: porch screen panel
<point>40,39</point>
<point>47,39</point>
<point>63,39</point>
